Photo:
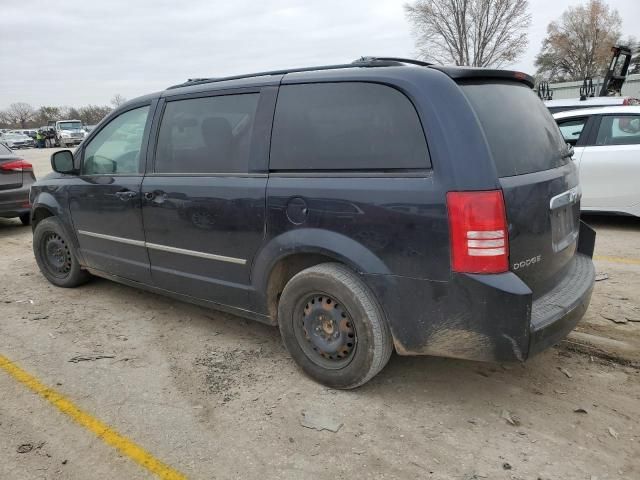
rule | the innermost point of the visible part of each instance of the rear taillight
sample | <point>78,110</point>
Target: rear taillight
<point>16,166</point>
<point>478,229</point>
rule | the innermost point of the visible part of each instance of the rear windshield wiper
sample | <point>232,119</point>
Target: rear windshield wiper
<point>568,152</point>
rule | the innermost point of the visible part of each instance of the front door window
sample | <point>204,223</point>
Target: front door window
<point>115,150</point>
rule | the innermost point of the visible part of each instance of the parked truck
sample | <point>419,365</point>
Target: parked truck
<point>67,132</point>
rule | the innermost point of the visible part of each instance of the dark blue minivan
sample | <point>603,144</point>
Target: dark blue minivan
<point>379,205</point>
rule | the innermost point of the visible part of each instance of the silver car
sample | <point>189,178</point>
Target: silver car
<point>17,140</point>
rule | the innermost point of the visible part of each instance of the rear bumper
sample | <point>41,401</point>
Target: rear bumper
<point>14,203</point>
<point>485,317</point>
<point>555,314</point>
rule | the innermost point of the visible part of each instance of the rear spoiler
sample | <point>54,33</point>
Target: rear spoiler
<point>473,73</point>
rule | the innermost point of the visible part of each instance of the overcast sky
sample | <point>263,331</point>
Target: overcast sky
<point>79,52</point>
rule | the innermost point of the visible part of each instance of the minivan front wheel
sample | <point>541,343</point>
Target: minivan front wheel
<point>55,255</point>
<point>333,327</point>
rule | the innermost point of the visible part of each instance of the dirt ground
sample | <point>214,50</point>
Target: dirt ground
<point>216,396</point>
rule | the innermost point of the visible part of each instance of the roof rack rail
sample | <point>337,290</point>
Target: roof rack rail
<point>396,60</point>
<point>361,62</point>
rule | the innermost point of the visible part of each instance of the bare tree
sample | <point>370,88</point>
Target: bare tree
<point>579,43</point>
<point>92,114</point>
<point>20,113</point>
<point>47,114</point>
<point>5,121</point>
<point>117,100</point>
<point>479,33</point>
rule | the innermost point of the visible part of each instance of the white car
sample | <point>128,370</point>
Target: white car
<point>564,104</point>
<point>607,151</point>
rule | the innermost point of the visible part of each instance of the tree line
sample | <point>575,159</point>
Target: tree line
<point>23,115</point>
<point>493,33</point>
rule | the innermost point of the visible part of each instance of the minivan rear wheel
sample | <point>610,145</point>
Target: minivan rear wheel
<point>333,327</point>
<point>56,256</point>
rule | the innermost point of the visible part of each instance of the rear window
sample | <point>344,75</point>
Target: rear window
<point>522,135</point>
<point>346,126</point>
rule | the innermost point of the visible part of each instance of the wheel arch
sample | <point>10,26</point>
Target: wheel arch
<point>39,213</point>
<point>45,205</point>
<point>287,254</point>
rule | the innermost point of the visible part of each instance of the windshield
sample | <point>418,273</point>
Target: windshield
<point>70,125</point>
<point>522,135</point>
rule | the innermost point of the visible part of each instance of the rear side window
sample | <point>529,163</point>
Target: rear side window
<point>206,135</point>
<point>346,126</point>
<point>619,130</point>
<point>522,135</point>
<point>571,129</point>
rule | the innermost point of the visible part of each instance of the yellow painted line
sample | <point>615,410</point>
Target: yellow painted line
<point>626,261</point>
<point>101,430</point>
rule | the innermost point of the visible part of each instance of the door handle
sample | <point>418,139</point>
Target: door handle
<point>126,195</point>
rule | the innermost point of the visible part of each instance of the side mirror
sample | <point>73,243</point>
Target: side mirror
<point>62,162</point>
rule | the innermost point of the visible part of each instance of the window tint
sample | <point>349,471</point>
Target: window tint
<point>522,134</point>
<point>116,148</point>
<point>571,129</point>
<point>619,130</point>
<point>338,126</point>
<point>206,135</point>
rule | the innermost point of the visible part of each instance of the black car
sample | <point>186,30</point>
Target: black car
<point>362,207</point>
<point>16,177</point>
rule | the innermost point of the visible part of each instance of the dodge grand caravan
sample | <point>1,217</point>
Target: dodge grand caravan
<point>385,204</point>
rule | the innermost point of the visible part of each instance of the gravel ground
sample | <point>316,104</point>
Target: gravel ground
<point>216,396</point>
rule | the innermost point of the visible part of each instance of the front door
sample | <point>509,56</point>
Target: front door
<point>610,167</point>
<point>204,202</point>
<point>105,200</point>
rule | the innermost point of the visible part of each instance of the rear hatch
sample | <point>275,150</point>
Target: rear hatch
<point>10,177</point>
<point>538,179</point>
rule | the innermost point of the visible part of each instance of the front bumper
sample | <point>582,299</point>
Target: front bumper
<point>22,145</point>
<point>72,141</point>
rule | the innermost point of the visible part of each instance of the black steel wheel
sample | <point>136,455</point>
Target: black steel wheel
<point>325,331</point>
<point>55,254</point>
<point>333,326</point>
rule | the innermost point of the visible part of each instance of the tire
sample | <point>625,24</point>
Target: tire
<point>333,326</point>
<point>56,255</point>
<point>25,218</point>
